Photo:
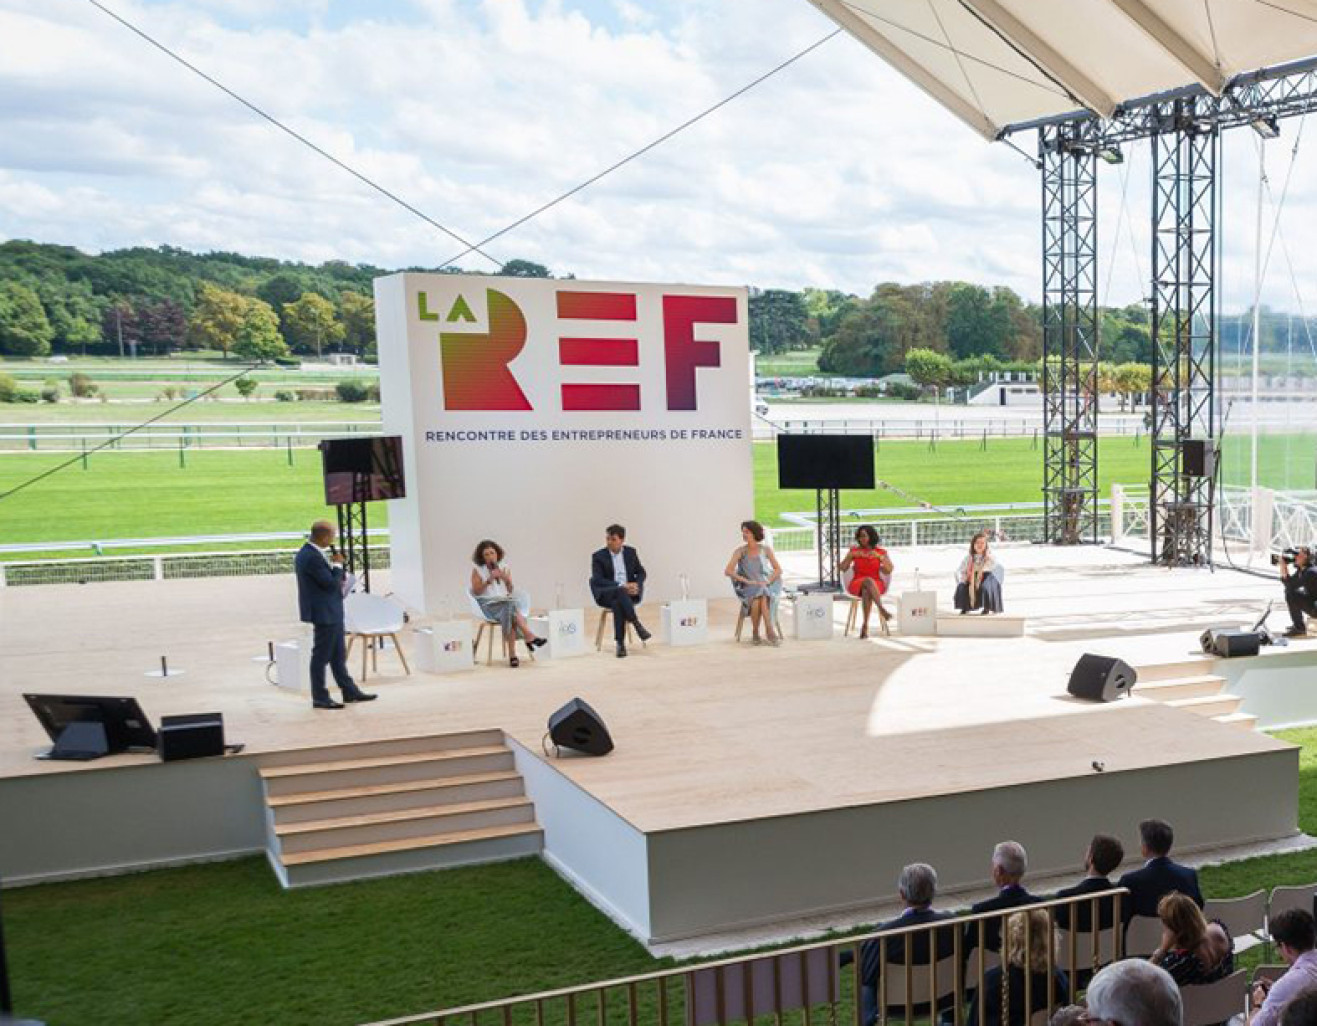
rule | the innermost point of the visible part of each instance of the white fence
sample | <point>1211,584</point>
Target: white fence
<point>73,437</point>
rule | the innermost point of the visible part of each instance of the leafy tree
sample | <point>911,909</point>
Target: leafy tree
<point>245,386</point>
<point>258,338</point>
<point>350,391</point>
<point>928,368</point>
<point>218,319</point>
<point>778,321</point>
<point>280,290</point>
<point>8,388</point>
<point>1132,379</point>
<point>524,269</point>
<point>82,386</point>
<point>162,325</point>
<point>309,323</point>
<point>24,328</point>
<point>358,315</point>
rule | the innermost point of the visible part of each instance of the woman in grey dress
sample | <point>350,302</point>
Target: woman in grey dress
<point>757,580</point>
<point>494,592</point>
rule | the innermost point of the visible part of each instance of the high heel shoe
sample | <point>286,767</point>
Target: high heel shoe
<point>537,643</point>
<point>514,662</point>
<point>864,632</point>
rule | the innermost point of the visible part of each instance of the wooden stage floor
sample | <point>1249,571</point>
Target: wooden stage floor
<point>715,734</point>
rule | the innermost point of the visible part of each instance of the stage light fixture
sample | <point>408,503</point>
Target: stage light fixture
<point>1265,126</point>
<point>1111,154</point>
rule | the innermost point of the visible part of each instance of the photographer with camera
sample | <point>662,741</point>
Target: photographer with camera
<point>1300,586</point>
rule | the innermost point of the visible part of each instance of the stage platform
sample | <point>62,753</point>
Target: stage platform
<point>751,786</point>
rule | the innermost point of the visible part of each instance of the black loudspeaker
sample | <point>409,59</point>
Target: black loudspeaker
<point>191,737</point>
<point>580,728</point>
<point>1101,678</point>
<point>1198,457</point>
<point>1231,643</point>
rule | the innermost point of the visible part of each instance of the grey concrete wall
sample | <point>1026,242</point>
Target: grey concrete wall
<point>1276,687</point>
<point>81,823</point>
<point>714,879</point>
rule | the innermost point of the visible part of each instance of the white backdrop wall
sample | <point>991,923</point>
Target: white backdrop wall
<point>536,412</point>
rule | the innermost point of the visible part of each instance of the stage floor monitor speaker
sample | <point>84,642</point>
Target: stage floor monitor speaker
<point>1231,643</point>
<point>194,736</point>
<point>580,728</point>
<point>1099,678</point>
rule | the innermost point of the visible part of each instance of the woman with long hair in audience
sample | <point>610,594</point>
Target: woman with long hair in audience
<point>978,578</point>
<point>495,594</point>
<point>1192,950</point>
<point>757,580</point>
<point>1027,943</point>
<point>871,568</point>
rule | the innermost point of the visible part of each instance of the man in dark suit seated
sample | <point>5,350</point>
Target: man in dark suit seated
<point>1159,875</point>
<point>917,887</point>
<point>1009,863</point>
<point>617,582</point>
<point>320,602</point>
<point>1104,854</point>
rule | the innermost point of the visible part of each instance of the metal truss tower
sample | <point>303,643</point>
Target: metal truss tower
<point>1068,158</point>
<point>1184,329</point>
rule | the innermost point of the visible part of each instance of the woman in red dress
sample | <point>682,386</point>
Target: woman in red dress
<point>872,573</point>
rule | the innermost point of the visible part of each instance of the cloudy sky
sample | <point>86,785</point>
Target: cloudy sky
<point>833,173</point>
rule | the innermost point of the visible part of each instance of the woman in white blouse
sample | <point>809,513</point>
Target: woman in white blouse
<point>493,590</point>
<point>978,580</point>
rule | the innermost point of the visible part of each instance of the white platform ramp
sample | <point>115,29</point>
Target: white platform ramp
<point>1192,685</point>
<point>386,807</point>
<point>976,625</point>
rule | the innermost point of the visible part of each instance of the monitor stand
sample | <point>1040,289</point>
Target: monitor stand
<point>80,741</point>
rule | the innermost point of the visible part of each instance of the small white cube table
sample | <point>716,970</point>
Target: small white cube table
<point>563,629</point>
<point>812,612</point>
<point>292,664</point>
<point>684,622</point>
<point>444,647</point>
<point>916,613</point>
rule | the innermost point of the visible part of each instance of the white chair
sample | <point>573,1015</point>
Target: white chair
<point>1285,898</point>
<point>1243,917</point>
<point>1089,946</point>
<point>1208,1003</point>
<point>372,618</point>
<point>1142,936</point>
<point>857,602</point>
<point>523,607</point>
<point>742,616</point>
<point>604,616</point>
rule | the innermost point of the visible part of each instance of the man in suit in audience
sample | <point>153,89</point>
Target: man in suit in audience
<point>1159,875</point>
<point>1009,863</point>
<point>320,601</point>
<point>917,886</point>
<point>1104,854</point>
<point>617,582</point>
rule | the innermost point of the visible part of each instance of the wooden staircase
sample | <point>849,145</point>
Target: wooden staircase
<point>378,808</point>
<point>1191,685</point>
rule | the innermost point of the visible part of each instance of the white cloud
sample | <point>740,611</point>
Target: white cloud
<point>836,172</point>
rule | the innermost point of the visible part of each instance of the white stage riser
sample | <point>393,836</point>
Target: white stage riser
<point>1277,686</point>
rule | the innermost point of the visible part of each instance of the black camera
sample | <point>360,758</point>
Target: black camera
<point>1286,556</point>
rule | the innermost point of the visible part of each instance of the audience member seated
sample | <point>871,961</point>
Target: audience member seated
<point>1069,1015</point>
<point>871,573</point>
<point>1159,875</point>
<point>1302,1011</point>
<point>1295,936</point>
<point>757,580</point>
<point>1027,944</point>
<point>1104,854</point>
<point>978,579</point>
<point>1192,950</point>
<point>1133,992</point>
<point>917,886</point>
<point>495,594</point>
<point>1009,863</point>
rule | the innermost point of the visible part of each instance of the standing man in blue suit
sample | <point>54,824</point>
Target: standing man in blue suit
<point>320,601</point>
<point>1159,875</point>
<point>617,582</point>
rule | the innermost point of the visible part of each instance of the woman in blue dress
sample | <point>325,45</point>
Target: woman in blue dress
<point>757,580</point>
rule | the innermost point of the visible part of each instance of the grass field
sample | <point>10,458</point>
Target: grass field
<point>798,363</point>
<point>217,944</point>
<point>147,494</point>
<point>230,410</point>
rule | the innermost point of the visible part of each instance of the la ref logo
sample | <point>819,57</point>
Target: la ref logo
<point>476,374</point>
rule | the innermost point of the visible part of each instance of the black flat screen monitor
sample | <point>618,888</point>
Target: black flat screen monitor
<point>825,461</point>
<point>126,726</point>
<point>362,469</point>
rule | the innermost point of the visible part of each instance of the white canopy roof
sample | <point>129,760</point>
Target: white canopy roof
<point>997,63</point>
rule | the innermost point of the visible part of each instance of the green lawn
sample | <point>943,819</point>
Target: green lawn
<point>263,409</point>
<point>798,363</point>
<point>217,944</point>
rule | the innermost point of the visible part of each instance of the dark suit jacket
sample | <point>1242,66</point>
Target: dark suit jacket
<point>919,946</point>
<point>1153,882</point>
<point>1007,897</point>
<point>319,587</point>
<point>1084,911</point>
<point>601,571</point>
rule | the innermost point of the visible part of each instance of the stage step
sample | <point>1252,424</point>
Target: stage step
<point>1180,687</point>
<point>1175,671</point>
<point>344,812</point>
<point>394,746</point>
<point>1238,719</point>
<point>976,625</point>
<point>1211,705</point>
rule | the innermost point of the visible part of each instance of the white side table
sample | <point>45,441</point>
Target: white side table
<point>684,622</point>
<point>563,629</point>
<point>916,613</point>
<point>444,647</point>
<point>812,612</point>
<point>292,664</point>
